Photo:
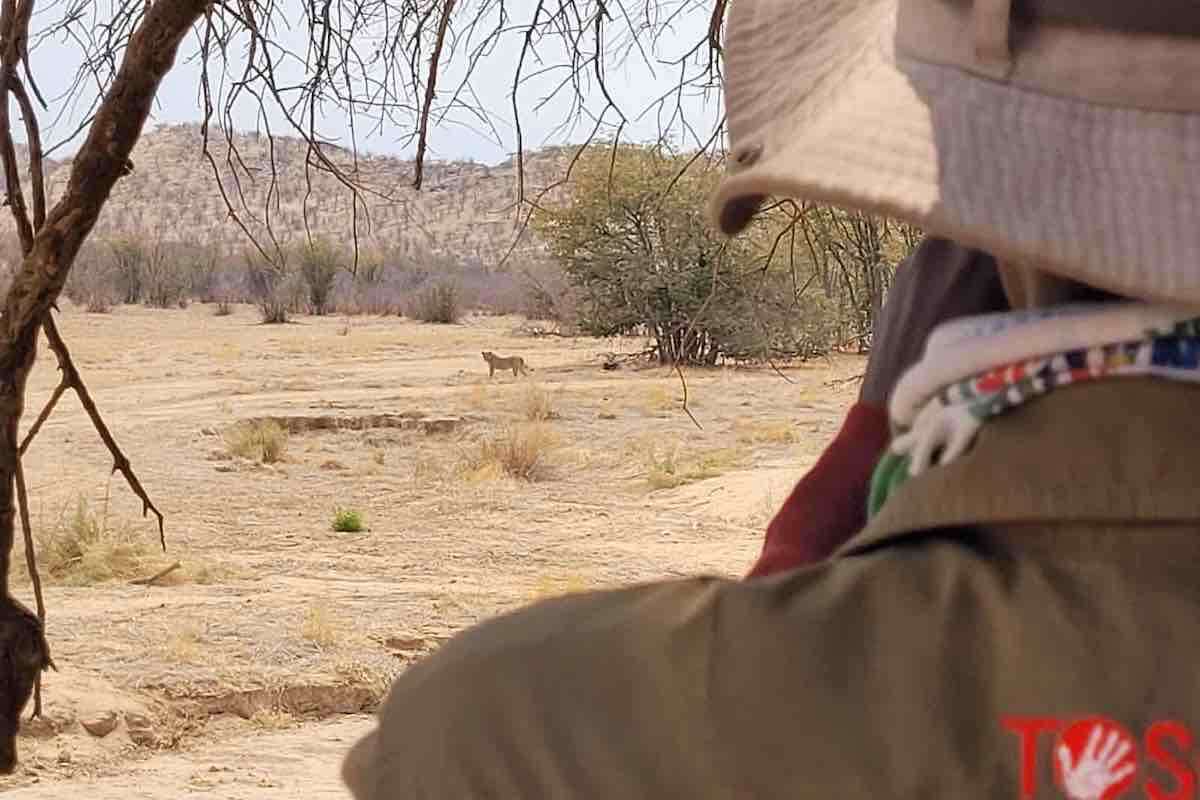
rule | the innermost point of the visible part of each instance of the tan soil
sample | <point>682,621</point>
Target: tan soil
<point>251,669</point>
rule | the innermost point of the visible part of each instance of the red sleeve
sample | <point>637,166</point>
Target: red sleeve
<point>829,504</point>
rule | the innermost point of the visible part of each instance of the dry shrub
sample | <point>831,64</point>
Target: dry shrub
<point>477,397</point>
<point>548,587</point>
<point>273,719</point>
<point>439,302</point>
<point>319,627</point>
<point>92,283</point>
<point>765,432</point>
<point>277,288</point>
<point>183,644</point>
<point>98,304</point>
<point>223,308</point>
<point>536,404</point>
<point>519,451</point>
<point>319,264</point>
<point>659,398</point>
<point>165,278</point>
<point>427,470</point>
<point>667,468</point>
<point>258,440</point>
<point>83,548</point>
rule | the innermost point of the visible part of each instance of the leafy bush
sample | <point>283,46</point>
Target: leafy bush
<point>633,240</point>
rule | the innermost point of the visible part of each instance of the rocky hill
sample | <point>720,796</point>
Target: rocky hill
<point>464,209</point>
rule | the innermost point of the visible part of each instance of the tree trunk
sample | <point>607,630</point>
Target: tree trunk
<point>101,160</point>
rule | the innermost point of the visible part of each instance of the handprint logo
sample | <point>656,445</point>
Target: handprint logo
<point>1096,760</point>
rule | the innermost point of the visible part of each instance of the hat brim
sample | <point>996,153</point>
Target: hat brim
<point>1107,196</point>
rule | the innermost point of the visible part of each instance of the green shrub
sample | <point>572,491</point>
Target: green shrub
<point>346,520</point>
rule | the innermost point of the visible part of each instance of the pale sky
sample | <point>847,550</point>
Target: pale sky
<point>634,85</point>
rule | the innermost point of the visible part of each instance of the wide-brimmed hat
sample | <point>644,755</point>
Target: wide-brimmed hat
<point>1059,133</point>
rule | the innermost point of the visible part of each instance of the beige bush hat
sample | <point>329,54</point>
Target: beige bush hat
<point>1059,133</point>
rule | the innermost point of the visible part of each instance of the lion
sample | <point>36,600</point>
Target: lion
<point>495,362</point>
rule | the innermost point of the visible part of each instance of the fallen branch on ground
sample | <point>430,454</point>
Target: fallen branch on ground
<point>156,576</point>
<point>841,381</point>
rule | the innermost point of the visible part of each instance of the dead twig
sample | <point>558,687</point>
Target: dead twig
<point>843,381</point>
<point>686,409</point>
<point>779,372</point>
<point>42,417</point>
<point>162,573</point>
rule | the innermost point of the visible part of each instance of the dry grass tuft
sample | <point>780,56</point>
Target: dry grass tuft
<point>83,548</point>
<point>259,440</point>
<point>519,451</point>
<point>201,572</point>
<point>536,404</point>
<point>378,679</point>
<point>319,627</point>
<point>427,469</point>
<point>273,719</point>
<point>659,398</point>
<point>183,645</point>
<point>548,587</point>
<point>667,468</point>
<point>476,397</point>
<point>765,432</point>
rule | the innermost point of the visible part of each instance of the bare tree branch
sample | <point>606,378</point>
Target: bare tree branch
<point>70,377</point>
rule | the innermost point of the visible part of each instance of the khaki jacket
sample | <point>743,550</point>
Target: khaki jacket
<point>1050,575</point>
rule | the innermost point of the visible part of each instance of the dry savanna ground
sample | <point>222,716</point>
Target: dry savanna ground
<point>341,496</point>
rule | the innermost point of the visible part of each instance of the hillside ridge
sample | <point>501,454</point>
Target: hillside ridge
<point>464,209</point>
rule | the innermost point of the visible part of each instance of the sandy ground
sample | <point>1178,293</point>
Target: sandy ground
<point>278,635</point>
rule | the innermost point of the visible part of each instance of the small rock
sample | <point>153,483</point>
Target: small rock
<point>141,729</point>
<point>405,642</point>
<point>100,724</point>
<point>607,415</point>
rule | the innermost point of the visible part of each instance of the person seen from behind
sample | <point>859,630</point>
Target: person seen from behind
<point>1016,619</point>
